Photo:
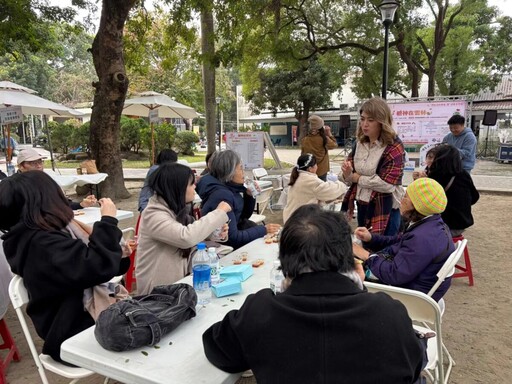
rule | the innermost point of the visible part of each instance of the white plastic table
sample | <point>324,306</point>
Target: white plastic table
<point>92,214</point>
<point>180,357</point>
<point>66,181</point>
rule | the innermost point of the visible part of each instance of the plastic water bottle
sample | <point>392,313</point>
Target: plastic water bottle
<point>214,265</point>
<point>276,278</point>
<point>201,274</point>
<point>10,169</point>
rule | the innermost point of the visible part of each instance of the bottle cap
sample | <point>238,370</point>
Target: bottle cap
<point>201,246</point>
<point>212,249</point>
<point>277,263</point>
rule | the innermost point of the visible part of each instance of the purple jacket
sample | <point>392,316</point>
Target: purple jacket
<point>412,259</point>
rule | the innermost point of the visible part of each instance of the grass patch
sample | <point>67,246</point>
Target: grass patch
<point>144,164</point>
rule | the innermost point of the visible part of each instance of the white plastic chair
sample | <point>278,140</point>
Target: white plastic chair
<point>263,200</point>
<point>258,219</point>
<point>422,309</point>
<point>277,180</point>
<point>19,297</point>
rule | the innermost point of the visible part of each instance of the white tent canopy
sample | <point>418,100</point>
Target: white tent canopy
<point>14,95</point>
<point>150,101</point>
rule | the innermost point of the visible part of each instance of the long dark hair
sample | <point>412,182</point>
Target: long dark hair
<point>446,162</point>
<point>34,199</point>
<point>170,182</point>
<point>303,163</point>
<point>315,240</point>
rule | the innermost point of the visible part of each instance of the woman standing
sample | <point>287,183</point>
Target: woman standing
<point>307,188</point>
<point>168,231</point>
<point>55,255</point>
<point>374,170</point>
<point>225,182</point>
<point>318,142</point>
<point>447,170</point>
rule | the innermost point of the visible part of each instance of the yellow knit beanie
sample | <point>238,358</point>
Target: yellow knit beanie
<point>315,122</point>
<point>427,196</point>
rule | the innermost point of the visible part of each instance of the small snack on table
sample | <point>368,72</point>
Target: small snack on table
<point>258,263</point>
<point>78,212</point>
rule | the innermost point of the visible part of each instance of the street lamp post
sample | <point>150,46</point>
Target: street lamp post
<point>387,10</point>
<point>217,100</point>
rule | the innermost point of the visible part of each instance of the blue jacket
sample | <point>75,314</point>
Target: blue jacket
<point>212,192</point>
<point>466,144</point>
<point>146,192</point>
<point>412,259</point>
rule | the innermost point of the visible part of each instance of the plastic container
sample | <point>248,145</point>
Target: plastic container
<point>201,274</point>
<point>276,278</point>
<point>214,265</point>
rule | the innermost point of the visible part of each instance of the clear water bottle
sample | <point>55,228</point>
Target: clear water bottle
<point>10,169</point>
<point>276,278</point>
<point>201,274</point>
<point>214,265</point>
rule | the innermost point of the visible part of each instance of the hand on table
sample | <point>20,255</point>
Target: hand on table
<point>272,228</point>
<point>88,201</point>
<point>107,207</point>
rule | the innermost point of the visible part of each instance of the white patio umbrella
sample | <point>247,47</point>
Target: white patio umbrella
<point>15,95</point>
<point>153,101</point>
<point>166,107</point>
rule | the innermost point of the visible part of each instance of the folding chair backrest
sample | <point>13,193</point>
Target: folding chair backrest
<point>259,172</point>
<point>448,267</point>
<point>263,199</point>
<point>421,308</point>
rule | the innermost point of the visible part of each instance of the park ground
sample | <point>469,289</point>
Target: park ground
<point>476,324</point>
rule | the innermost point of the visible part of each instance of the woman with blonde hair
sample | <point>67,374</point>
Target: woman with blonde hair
<point>374,170</point>
<point>307,188</point>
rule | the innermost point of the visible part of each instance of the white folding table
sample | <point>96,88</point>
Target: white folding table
<point>179,357</point>
<point>90,215</point>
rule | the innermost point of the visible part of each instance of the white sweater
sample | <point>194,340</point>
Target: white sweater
<point>309,189</point>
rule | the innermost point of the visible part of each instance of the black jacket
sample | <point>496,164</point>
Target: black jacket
<point>322,329</point>
<point>461,195</point>
<point>56,269</point>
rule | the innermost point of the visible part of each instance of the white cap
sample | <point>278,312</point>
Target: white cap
<point>212,249</point>
<point>277,263</point>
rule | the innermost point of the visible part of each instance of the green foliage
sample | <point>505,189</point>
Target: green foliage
<point>131,133</point>
<point>164,136</point>
<point>185,142</point>
<point>81,136</point>
<point>61,136</point>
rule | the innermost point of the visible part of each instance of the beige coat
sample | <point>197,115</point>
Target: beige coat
<point>159,258</point>
<point>309,189</point>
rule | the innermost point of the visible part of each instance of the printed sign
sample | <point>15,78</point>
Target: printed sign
<point>11,115</point>
<point>249,145</point>
<point>425,122</point>
<point>153,116</point>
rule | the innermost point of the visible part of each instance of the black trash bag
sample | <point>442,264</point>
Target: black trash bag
<point>143,320</point>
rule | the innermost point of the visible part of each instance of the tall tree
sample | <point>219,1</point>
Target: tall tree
<point>110,94</point>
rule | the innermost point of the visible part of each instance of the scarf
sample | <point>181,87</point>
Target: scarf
<point>98,298</point>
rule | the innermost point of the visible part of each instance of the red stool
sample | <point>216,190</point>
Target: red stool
<point>466,269</point>
<point>130,274</point>
<point>13,354</point>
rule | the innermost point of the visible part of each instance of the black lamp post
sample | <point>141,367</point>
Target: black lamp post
<point>217,100</point>
<point>387,10</point>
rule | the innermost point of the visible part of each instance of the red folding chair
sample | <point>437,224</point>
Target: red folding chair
<point>466,269</point>
<point>130,274</point>
<point>13,354</point>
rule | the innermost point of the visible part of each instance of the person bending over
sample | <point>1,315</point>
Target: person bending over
<point>325,327</point>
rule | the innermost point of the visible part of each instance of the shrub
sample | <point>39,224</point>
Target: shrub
<point>131,133</point>
<point>164,137</point>
<point>185,143</point>
<point>61,136</point>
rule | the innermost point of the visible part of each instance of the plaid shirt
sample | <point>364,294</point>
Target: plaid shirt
<point>391,170</point>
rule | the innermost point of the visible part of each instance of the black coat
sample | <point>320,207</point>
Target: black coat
<point>56,269</point>
<point>322,329</point>
<point>461,195</point>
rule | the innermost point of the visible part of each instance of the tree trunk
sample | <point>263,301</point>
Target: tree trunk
<point>208,51</point>
<point>412,69</point>
<point>109,96</point>
<point>302,117</point>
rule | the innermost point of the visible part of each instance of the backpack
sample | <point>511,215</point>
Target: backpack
<point>143,320</point>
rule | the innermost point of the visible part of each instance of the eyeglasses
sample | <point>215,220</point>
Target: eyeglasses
<point>34,162</point>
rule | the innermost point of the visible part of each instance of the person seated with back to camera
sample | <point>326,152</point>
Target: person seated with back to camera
<point>164,156</point>
<point>30,160</point>
<point>59,259</point>
<point>412,259</point>
<point>347,335</point>
<point>225,182</point>
<point>168,231</point>
<point>307,188</point>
